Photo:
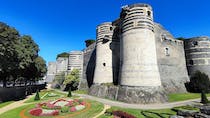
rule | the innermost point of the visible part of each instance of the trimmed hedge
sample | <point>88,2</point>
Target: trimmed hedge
<point>18,92</point>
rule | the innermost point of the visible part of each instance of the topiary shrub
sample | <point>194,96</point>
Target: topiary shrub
<point>204,99</point>
<point>69,94</point>
<point>37,95</point>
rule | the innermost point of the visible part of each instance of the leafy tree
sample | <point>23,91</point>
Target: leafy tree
<point>181,38</point>
<point>199,82</point>
<point>72,79</point>
<point>9,39</point>
<point>89,42</point>
<point>64,54</point>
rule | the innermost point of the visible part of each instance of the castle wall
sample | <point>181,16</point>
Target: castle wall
<point>198,55</point>
<point>89,57</point>
<point>138,49</point>
<point>51,71</point>
<point>103,70</point>
<point>171,61</point>
<point>61,64</point>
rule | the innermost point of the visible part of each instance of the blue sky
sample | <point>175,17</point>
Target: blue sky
<point>63,25</point>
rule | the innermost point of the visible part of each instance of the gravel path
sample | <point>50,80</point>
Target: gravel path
<point>102,112</point>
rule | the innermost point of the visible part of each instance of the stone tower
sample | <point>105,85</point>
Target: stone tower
<point>138,49</point>
<point>197,51</point>
<point>103,69</point>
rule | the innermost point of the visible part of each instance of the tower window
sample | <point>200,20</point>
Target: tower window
<point>191,62</point>
<point>194,43</point>
<point>111,28</point>
<point>104,64</point>
<point>167,52</point>
<point>149,13</point>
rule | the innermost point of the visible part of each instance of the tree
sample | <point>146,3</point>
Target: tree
<point>64,54</point>
<point>89,42</point>
<point>69,94</point>
<point>199,82</point>
<point>181,38</point>
<point>204,99</point>
<point>9,40</point>
<point>72,79</point>
<point>28,52</point>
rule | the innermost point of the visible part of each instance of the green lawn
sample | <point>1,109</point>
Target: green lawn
<point>162,113</point>
<point>5,103</point>
<point>183,96</point>
<point>95,109</point>
<point>44,95</point>
<point>80,92</point>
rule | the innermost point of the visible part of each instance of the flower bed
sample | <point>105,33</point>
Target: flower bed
<point>53,108</point>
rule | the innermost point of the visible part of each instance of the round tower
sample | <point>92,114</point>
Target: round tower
<point>103,69</point>
<point>138,48</point>
<point>197,51</point>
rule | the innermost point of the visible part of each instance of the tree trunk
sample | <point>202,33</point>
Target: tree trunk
<point>4,82</point>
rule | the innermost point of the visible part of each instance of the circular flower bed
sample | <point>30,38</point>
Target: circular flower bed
<point>53,108</point>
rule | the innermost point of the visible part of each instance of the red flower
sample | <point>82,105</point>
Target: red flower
<point>82,103</point>
<point>35,111</point>
<point>72,109</point>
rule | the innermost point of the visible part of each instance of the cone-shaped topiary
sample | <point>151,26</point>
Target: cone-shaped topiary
<point>204,99</point>
<point>37,95</point>
<point>69,94</point>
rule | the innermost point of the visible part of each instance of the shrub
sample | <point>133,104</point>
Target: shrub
<point>35,111</point>
<point>204,99</point>
<point>69,94</point>
<point>64,109</point>
<point>199,82</point>
<point>122,114</point>
<point>37,95</point>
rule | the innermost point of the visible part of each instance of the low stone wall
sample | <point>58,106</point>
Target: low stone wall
<point>139,95</point>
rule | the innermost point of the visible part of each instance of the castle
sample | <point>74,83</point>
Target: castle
<point>136,60</point>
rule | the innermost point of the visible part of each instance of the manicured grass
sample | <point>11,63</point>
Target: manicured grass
<point>44,93</point>
<point>162,113</point>
<point>184,96</point>
<point>5,103</point>
<point>95,109</point>
<point>80,92</point>
<point>12,113</point>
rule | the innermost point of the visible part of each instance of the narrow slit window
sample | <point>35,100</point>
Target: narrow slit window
<point>191,62</point>
<point>167,52</point>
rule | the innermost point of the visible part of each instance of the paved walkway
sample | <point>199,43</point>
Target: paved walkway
<point>140,106</point>
<point>15,104</point>
<point>102,112</point>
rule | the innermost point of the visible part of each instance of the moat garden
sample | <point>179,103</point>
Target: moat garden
<point>57,104</point>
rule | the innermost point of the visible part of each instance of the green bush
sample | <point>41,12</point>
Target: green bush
<point>37,95</point>
<point>204,99</point>
<point>65,109</point>
<point>69,94</point>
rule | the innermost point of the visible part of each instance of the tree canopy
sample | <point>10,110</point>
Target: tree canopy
<point>63,54</point>
<point>19,56</point>
<point>89,42</point>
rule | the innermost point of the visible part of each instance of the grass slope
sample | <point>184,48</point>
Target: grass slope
<point>5,103</point>
<point>175,97</point>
